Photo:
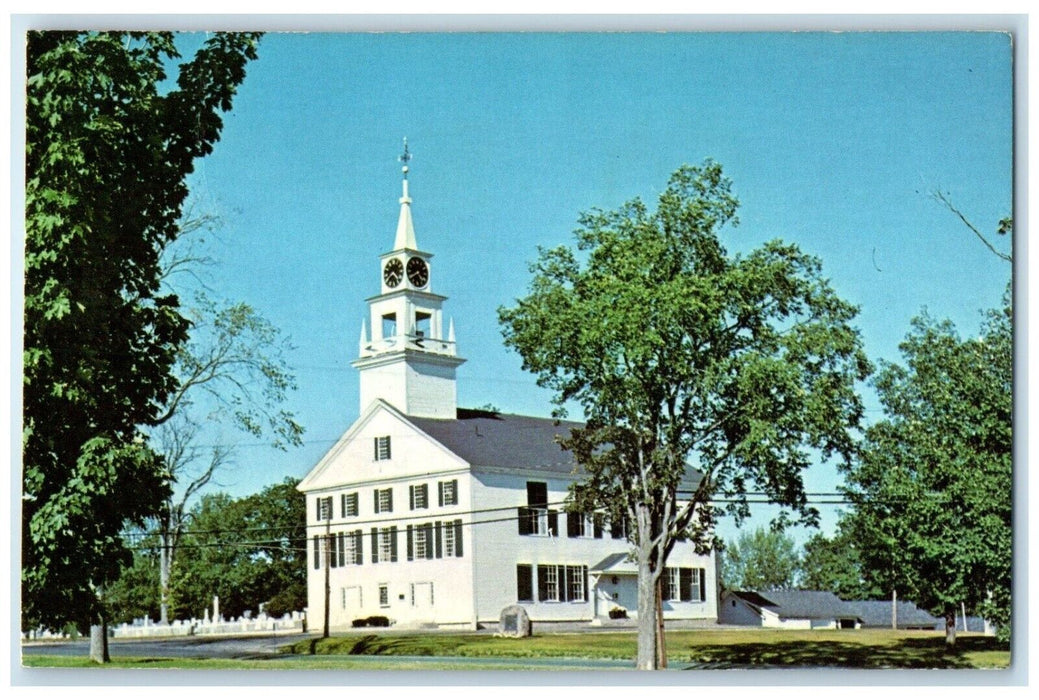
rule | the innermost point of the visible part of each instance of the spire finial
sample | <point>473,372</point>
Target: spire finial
<point>405,158</point>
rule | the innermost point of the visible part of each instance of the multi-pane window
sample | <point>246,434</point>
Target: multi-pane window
<point>684,584</point>
<point>349,505</point>
<point>324,508</point>
<point>384,544</point>
<point>418,496</point>
<point>382,447</point>
<point>387,550</point>
<point>453,538</point>
<point>548,583</point>
<point>536,518</point>
<point>350,548</point>
<point>447,493</point>
<point>384,595</point>
<point>581,525</point>
<point>561,583</point>
<point>384,500</point>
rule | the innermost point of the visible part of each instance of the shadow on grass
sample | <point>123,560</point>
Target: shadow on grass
<point>928,653</point>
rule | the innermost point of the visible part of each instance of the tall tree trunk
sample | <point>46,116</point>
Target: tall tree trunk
<point>950,627</point>
<point>646,658</point>
<point>99,642</point>
<point>165,556</point>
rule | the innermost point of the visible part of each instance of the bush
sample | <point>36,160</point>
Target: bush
<point>378,621</point>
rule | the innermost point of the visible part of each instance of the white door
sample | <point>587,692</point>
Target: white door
<point>422,598</point>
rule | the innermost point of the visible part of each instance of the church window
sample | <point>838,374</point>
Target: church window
<point>419,496</point>
<point>384,500</point>
<point>448,492</point>
<point>349,505</point>
<point>324,508</point>
<point>384,595</point>
<point>382,447</point>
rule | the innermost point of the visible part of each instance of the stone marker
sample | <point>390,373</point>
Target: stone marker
<point>514,622</point>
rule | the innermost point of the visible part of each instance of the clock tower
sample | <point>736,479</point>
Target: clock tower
<point>407,360</point>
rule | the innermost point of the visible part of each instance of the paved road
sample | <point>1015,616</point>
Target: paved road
<point>180,647</point>
<point>267,648</point>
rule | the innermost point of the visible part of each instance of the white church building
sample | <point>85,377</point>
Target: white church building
<point>430,514</point>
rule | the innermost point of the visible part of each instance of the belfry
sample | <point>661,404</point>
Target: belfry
<point>407,360</point>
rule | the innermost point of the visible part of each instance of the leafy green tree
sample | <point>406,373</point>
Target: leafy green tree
<point>108,146</point>
<point>681,354</point>
<point>932,490</point>
<point>246,551</point>
<point>760,560</point>
<point>834,564</point>
<point>231,372</point>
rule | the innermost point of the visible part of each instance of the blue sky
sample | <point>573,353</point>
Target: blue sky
<point>833,141</point>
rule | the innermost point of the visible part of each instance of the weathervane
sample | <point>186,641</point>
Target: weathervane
<point>404,158</point>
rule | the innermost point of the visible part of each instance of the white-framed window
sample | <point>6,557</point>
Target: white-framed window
<point>324,508</point>
<point>418,496</point>
<point>452,538</point>
<point>351,548</point>
<point>575,583</point>
<point>384,500</point>
<point>562,583</point>
<point>386,548</point>
<point>349,505</point>
<point>382,447</point>
<point>384,544</point>
<point>447,493</point>
<point>423,546</point>
<point>384,595</point>
<point>548,583</point>
<point>683,584</point>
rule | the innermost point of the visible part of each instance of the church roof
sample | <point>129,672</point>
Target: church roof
<point>502,440</point>
<point>489,439</point>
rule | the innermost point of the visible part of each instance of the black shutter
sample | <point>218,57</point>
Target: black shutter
<point>439,544</point>
<point>524,582</point>
<point>685,584</point>
<point>428,528</point>
<point>584,574</point>
<point>458,538</point>
<point>440,494</point>
<point>410,546</point>
<point>703,586</point>
<point>375,545</point>
<point>317,552</point>
<point>563,576</point>
<point>359,536</point>
<point>573,524</point>
<point>542,583</point>
<point>537,494</point>
<point>411,497</point>
<point>393,543</point>
<point>389,500</point>
<point>376,501</point>
<point>525,524</point>
<point>375,455</point>
<point>342,505</point>
<point>332,551</point>
<point>553,523</point>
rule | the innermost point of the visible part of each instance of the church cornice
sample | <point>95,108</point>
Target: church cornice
<point>407,291</point>
<point>392,357</point>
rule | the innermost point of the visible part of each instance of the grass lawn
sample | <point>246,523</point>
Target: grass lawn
<point>710,648</point>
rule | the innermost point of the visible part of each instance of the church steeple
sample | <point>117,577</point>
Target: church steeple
<point>405,227</point>
<point>408,361</point>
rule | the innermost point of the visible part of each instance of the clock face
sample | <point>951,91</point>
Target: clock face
<point>418,272</point>
<point>393,273</point>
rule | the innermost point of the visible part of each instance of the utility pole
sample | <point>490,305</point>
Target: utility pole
<point>328,569</point>
<point>894,609</point>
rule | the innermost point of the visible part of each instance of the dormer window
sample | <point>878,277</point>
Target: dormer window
<point>382,448</point>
